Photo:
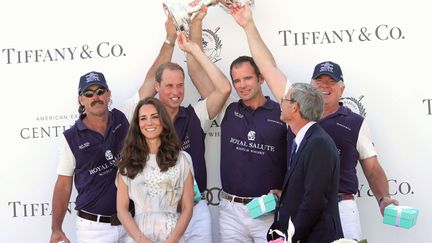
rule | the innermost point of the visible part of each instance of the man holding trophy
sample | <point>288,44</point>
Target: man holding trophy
<point>245,174</point>
<point>167,79</point>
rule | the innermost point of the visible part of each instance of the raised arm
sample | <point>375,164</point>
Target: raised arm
<point>222,90</point>
<point>262,56</point>
<point>196,72</point>
<point>165,54</point>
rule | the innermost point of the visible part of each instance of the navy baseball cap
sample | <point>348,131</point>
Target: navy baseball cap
<point>90,79</point>
<point>329,68</point>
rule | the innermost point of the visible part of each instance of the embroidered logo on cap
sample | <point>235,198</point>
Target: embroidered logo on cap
<point>326,67</point>
<point>91,77</point>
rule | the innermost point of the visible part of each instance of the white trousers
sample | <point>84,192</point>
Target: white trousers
<point>95,232</point>
<point>350,219</point>
<point>199,229</point>
<point>236,226</point>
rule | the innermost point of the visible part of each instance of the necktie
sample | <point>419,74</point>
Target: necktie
<point>293,152</point>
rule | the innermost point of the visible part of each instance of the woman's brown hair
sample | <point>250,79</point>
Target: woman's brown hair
<point>135,152</point>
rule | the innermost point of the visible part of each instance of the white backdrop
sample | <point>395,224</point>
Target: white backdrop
<point>45,46</point>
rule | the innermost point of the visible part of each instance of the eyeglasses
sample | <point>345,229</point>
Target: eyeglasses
<point>291,100</point>
<point>89,93</point>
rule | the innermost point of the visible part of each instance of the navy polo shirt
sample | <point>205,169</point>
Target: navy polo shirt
<point>95,157</point>
<point>253,149</point>
<point>343,126</point>
<point>188,128</point>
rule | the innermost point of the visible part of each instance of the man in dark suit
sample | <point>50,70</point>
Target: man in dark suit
<point>309,193</point>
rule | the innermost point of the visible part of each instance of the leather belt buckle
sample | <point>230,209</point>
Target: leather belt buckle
<point>232,198</point>
<point>242,200</point>
<point>94,217</point>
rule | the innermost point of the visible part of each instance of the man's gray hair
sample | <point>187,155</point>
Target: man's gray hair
<point>309,99</point>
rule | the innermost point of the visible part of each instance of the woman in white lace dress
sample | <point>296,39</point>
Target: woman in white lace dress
<point>156,175</point>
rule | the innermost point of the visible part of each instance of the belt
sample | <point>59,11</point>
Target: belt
<point>94,217</point>
<point>344,196</point>
<point>233,198</point>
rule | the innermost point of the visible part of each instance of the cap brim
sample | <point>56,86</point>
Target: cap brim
<point>94,83</point>
<point>329,74</point>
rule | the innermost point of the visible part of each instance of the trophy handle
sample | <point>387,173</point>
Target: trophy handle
<point>181,19</point>
<point>226,4</point>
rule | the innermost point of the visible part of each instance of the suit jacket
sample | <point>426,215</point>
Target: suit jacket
<point>309,192</point>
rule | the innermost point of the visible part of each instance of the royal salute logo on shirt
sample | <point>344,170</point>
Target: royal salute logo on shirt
<point>108,155</point>
<point>103,169</point>
<point>354,105</point>
<point>250,146</point>
<point>251,135</point>
<point>212,44</point>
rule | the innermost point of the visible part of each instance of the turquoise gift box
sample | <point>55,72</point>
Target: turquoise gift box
<point>261,205</point>
<point>400,216</point>
<point>197,196</point>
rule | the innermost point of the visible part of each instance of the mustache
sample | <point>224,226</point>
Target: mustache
<point>97,102</point>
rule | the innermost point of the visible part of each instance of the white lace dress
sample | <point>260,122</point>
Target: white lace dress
<point>156,195</point>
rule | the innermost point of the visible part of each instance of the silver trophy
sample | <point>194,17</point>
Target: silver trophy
<point>226,4</point>
<point>183,11</point>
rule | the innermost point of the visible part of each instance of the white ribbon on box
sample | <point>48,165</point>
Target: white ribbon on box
<point>262,205</point>
<point>399,214</point>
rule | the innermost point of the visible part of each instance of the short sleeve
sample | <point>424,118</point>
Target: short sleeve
<point>365,145</point>
<point>67,163</point>
<point>125,179</point>
<point>201,111</point>
<point>185,162</point>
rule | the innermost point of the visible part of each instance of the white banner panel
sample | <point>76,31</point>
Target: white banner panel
<point>382,46</point>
